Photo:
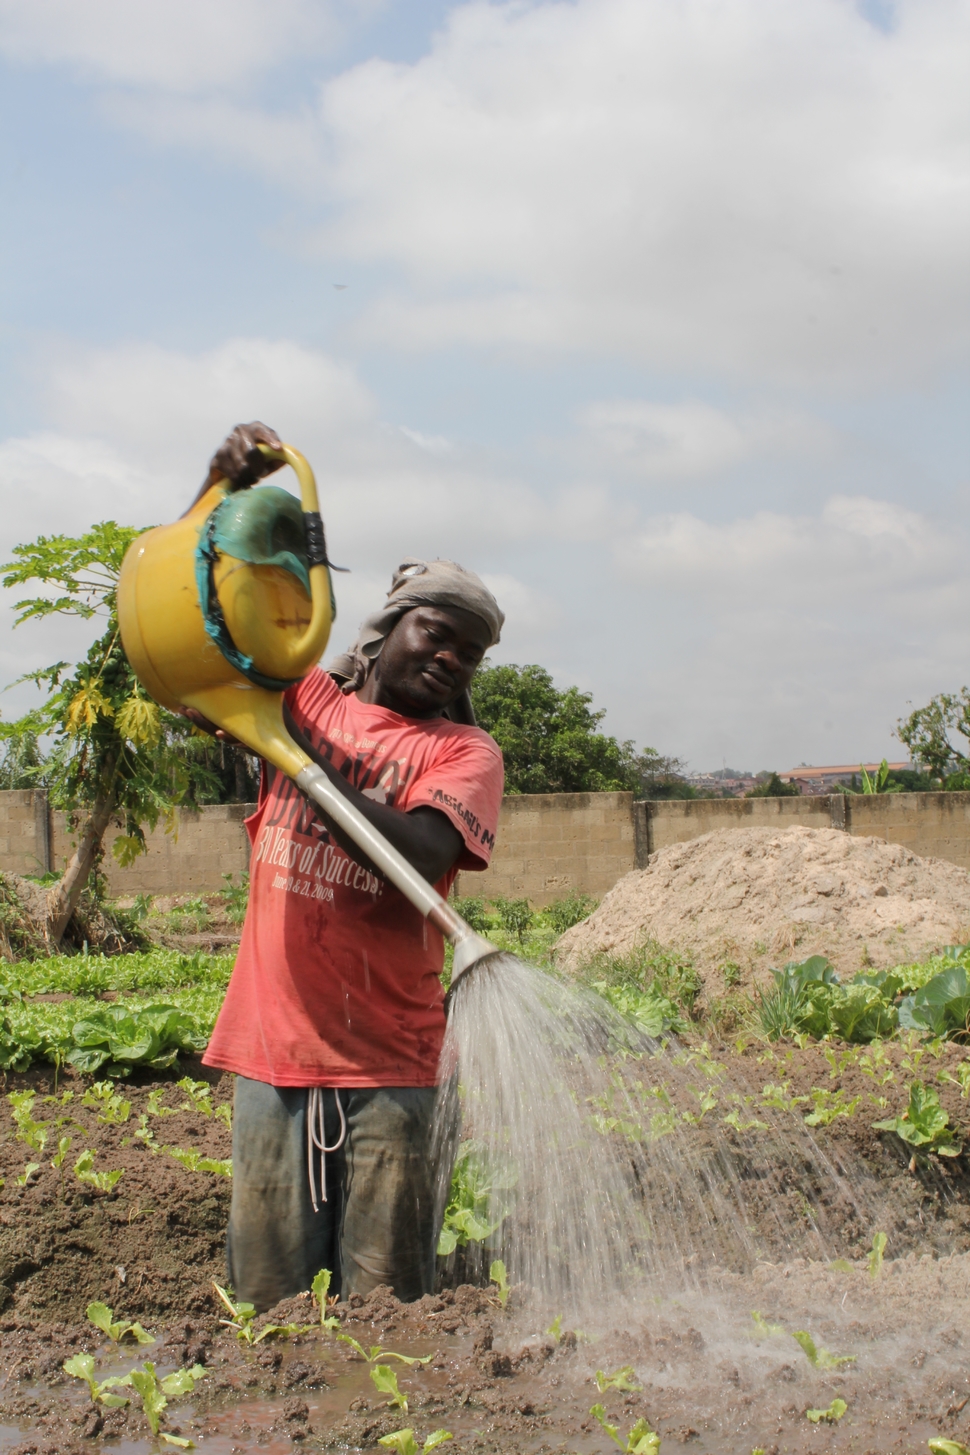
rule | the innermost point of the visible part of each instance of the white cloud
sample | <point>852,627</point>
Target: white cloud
<point>684,441</point>
<point>770,192</point>
<point>176,44</point>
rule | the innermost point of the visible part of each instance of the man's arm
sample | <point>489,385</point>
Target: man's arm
<point>427,839</point>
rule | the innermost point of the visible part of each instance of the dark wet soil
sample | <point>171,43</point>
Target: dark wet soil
<point>707,1375</point>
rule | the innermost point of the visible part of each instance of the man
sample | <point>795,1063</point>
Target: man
<point>333,1020</point>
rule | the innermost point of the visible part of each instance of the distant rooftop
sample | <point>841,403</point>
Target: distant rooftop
<point>838,770</point>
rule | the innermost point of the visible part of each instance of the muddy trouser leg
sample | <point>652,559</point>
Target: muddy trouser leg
<point>377,1224</point>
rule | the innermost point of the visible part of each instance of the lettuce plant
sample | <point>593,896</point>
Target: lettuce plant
<point>241,1319</point>
<point>404,1443</point>
<point>385,1382</point>
<point>102,1317</point>
<point>82,1367</point>
<point>820,1358</point>
<point>320,1288</point>
<point>875,1257</point>
<point>641,1440</point>
<point>154,1392</point>
<point>498,1276</point>
<point>476,1206</point>
<point>924,1125</point>
<point>942,1005</point>
<point>831,1416</point>
<point>621,1379</point>
<point>948,1447</point>
<point>376,1352</point>
<point>122,1037</point>
<point>100,1181</point>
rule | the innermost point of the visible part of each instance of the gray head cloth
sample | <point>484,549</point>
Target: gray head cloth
<point>419,583</point>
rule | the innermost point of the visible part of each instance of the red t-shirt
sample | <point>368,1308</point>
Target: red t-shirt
<point>336,982</point>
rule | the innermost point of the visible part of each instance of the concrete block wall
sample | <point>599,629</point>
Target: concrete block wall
<point>548,845</point>
<point>209,843</point>
<point>551,844</point>
<point>24,831</point>
<point>935,825</point>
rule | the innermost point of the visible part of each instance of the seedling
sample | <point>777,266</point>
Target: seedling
<point>113,1106</point>
<point>82,1367</point>
<point>924,1125</point>
<point>194,1161</point>
<point>199,1095</point>
<point>320,1288</point>
<point>555,1328</point>
<point>100,1181</point>
<point>32,1132</point>
<point>640,1441</point>
<point>385,1382</point>
<point>102,1317</point>
<point>500,1278</point>
<point>621,1380</point>
<point>242,1316</point>
<point>376,1352</point>
<point>154,1391</point>
<point>828,1105</point>
<point>763,1326</point>
<point>875,1257</point>
<point>63,1147</point>
<point>404,1443</point>
<point>27,1173</point>
<point>948,1447</point>
<point>961,1079</point>
<point>831,1416</point>
<point>145,1134</point>
<point>821,1358</point>
<point>153,1105</point>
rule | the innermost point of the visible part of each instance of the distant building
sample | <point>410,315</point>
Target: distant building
<point>823,780</point>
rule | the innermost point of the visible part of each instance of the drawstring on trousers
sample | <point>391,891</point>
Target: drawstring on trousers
<point>316,1140</point>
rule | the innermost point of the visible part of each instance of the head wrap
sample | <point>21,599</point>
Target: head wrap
<point>419,583</point>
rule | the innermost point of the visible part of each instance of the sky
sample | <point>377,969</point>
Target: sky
<point>652,312</point>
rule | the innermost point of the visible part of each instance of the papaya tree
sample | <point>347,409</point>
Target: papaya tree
<point>114,756</point>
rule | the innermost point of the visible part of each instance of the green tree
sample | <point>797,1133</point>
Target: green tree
<point>771,786</point>
<point>115,755</point>
<point>927,735</point>
<point>551,740</point>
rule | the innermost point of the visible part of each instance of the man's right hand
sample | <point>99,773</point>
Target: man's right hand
<point>239,461</point>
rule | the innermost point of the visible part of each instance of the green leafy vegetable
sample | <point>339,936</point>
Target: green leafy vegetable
<point>478,1203</point>
<point>376,1352</point>
<point>640,1441</point>
<point>622,1380</point>
<point>118,1035</point>
<point>194,1161</point>
<point>385,1382</point>
<point>82,1367</point>
<point>875,1257</point>
<point>320,1288</point>
<point>27,1173</point>
<point>948,1447</point>
<point>763,1327</point>
<point>821,1358</point>
<point>942,1006</point>
<point>404,1443</point>
<point>500,1278</point>
<point>154,1392</point>
<point>924,1124</point>
<point>100,1181</point>
<point>831,1416</point>
<point>102,1317</point>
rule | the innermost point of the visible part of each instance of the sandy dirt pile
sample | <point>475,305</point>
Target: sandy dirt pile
<point>758,897</point>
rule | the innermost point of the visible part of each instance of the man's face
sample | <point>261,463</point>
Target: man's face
<point>429,659</point>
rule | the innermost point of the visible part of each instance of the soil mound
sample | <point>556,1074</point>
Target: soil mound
<point>754,898</point>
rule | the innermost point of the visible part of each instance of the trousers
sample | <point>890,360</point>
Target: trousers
<point>377,1224</point>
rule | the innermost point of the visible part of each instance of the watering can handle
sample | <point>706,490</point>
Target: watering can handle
<point>316,541</point>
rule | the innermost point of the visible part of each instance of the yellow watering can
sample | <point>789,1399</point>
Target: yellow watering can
<point>231,605</point>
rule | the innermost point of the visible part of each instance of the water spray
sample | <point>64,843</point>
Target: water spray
<point>226,609</point>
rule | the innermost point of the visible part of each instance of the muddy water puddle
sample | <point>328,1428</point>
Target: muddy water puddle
<point>698,1368</point>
